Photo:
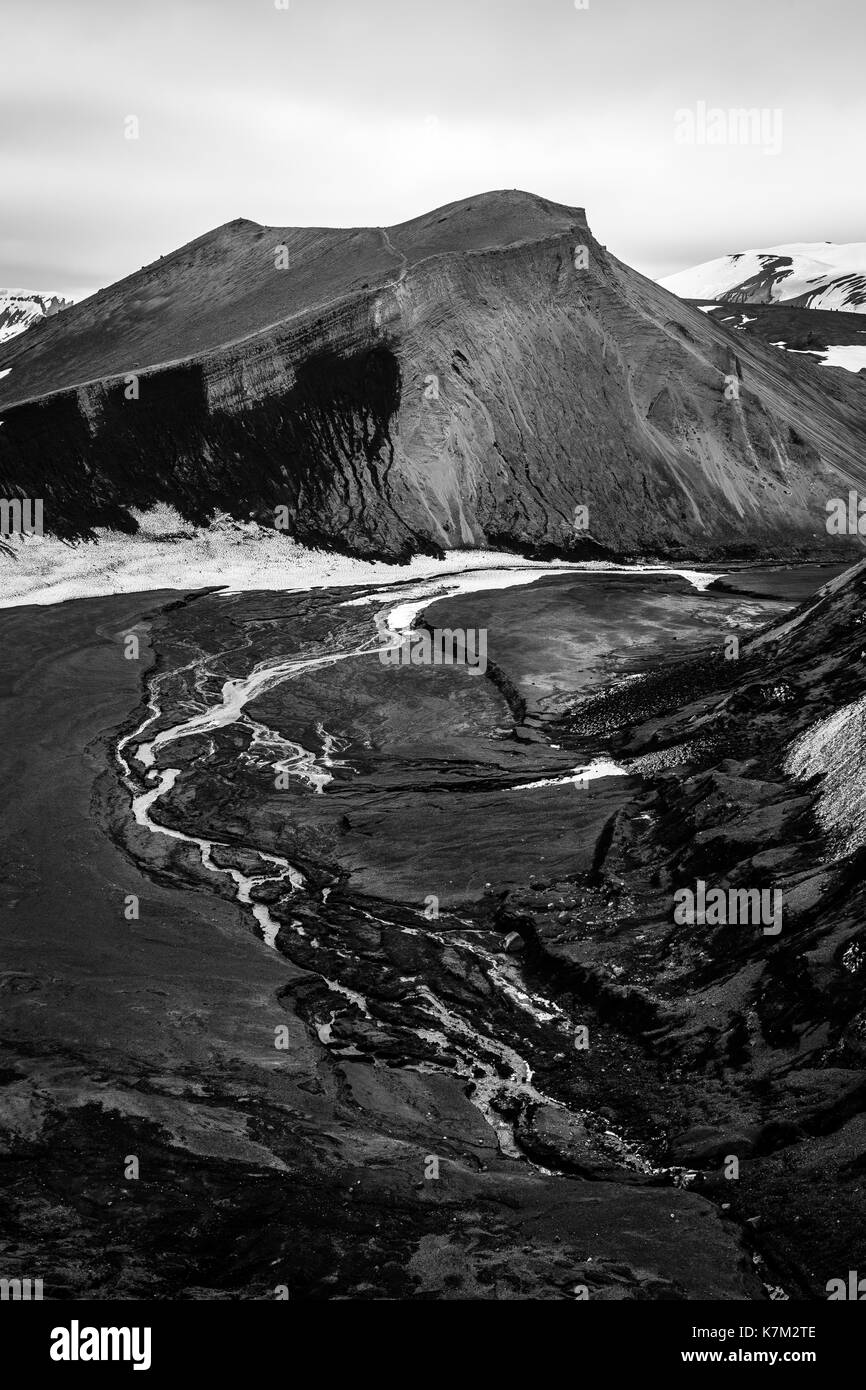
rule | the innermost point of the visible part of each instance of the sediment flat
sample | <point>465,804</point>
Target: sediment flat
<point>302,1158</point>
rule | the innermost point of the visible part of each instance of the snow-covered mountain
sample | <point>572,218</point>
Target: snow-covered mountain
<point>21,308</point>
<point>812,274</point>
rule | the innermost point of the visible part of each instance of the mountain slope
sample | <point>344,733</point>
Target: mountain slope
<point>458,380</point>
<point>827,338</point>
<point>752,778</point>
<point>19,309</point>
<point>815,275</point>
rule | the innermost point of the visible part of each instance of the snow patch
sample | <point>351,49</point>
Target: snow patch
<point>579,776</point>
<point>850,357</point>
<point>238,557</point>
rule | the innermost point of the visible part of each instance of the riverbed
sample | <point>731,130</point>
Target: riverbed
<point>320,842</point>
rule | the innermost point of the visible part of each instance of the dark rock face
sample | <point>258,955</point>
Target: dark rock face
<point>459,380</point>
<point>321,450</point>
<point>762,1032</point>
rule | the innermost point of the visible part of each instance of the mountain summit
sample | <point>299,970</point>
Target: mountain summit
<point>487,374</point>
<point>812,274</point>
<point>19,309</point>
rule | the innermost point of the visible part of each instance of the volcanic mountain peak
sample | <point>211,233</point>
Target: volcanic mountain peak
<point>243,278</point>
<point>463,379</point>
<point>813,274</point>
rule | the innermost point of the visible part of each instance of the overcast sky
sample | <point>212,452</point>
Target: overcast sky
<point>368,112</point>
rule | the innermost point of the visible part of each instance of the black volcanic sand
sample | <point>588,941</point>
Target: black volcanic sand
<point>309,1165</point>
<point>564,635</point>
<point>791,583</point>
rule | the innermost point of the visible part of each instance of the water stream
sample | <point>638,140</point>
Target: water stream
<point>480,1058</point>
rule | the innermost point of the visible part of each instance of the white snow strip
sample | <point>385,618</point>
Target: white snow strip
<point>579,776</point>
<point>240,557</point>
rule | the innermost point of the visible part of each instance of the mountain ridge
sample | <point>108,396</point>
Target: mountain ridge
<point>216,246</point>
<point>811,275</point>
<point>468,378</point>
<point>21,309</point>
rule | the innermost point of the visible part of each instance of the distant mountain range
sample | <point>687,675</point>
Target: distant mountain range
<point>477,376</point>
<point>811,274</point>
<point>19,309</point>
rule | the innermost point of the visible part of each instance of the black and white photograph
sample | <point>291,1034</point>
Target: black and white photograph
<point>432,672</point>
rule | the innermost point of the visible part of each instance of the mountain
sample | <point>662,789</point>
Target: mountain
<point>21,308</point>
<point>467,378</point>
<point>813,274</point>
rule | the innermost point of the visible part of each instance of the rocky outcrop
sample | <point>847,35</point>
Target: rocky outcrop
<point>753,781</point>
<point>469,378</point>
